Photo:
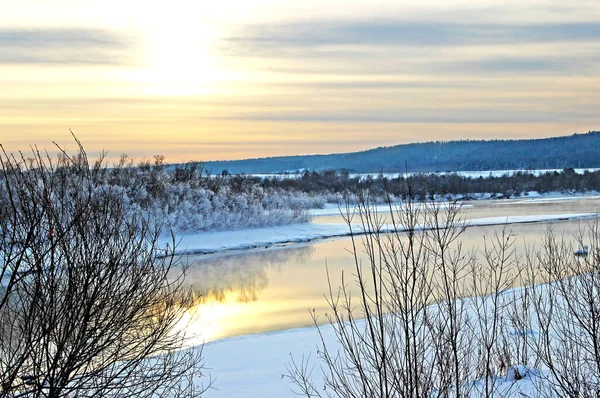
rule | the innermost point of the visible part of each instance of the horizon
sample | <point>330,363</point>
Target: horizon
<point>113,157</point>
<point>407,143</point>
<point>238,80</point>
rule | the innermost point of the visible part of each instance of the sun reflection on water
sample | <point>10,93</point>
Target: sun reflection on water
<point>233,295</point>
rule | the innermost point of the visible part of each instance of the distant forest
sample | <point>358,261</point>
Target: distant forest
<point>423,186</point>
<point>575,151</point>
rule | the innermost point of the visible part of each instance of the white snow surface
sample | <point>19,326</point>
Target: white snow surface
<point>252,366</point>
<point>256,365</point>
<point>333,209</point>
<point>553,199</point>
<point>211,242</point>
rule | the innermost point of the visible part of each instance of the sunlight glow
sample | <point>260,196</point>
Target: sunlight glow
<point>179,58</point>
<point>178,66</point>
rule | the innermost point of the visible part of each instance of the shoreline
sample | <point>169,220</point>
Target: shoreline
<point>204,243</point>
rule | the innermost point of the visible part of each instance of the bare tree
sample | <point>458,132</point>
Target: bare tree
<point>564,308</point>
<point>491,279</point>
<point>421,321</point>
<point>90,305</point>
<point>392,342</point>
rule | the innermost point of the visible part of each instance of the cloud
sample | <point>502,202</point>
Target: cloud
<point>302,35</point>
<point>522,65</point>
<point>435,115</point>
<point>410,48</point>
<point>62,46</point>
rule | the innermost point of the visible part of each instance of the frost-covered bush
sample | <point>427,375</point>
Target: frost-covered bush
<point>186,200</point>
<point>196,209</point>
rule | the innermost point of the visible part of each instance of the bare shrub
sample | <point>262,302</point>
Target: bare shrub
<point>422,315</point>
<point>88,302</point>
<point>565,311</point>
<point>490,281</point>
<point>392,341</point>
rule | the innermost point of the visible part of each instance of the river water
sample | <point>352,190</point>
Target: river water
<point>258,291</point>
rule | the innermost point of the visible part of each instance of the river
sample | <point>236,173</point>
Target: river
<point>270,289</point>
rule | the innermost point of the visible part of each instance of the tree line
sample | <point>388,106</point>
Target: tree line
<point>431,185</point>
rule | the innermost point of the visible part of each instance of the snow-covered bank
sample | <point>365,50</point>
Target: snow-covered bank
<point>255,365</point>
<point>551,198</point>
<point>333,209</point>
<point>211,242</point>
<point>525,197</point>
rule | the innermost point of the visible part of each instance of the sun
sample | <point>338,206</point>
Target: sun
<point>179,58</point>
<point>178,63</point>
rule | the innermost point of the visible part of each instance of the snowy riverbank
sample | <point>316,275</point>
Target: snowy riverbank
<point>211,242</point>
<point>255,365</point>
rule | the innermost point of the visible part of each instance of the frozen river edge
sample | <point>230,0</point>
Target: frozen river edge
<point>253,238</point>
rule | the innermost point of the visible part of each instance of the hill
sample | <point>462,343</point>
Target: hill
<point>576,151</point>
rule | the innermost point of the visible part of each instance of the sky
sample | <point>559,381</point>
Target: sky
<point>230,79</point>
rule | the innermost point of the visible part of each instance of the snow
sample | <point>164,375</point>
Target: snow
<point>250,238</point>
<point>528,219</point>
<point>554,199</point>
<point>500,173</point>
<point>255,365</point>
<point>252,366</point>
<point>332,209</point>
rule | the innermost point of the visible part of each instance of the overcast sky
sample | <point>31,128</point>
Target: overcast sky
<point>234,79</point>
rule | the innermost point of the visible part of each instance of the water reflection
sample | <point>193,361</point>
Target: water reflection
<point>242,293</point>
<point>240,277</point>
